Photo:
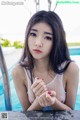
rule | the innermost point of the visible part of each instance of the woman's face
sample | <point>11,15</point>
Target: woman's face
<point>40,40</point>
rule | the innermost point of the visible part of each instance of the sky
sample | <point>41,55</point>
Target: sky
<point>14,17</point>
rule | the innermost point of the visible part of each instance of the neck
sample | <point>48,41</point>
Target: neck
<point>41,66</point>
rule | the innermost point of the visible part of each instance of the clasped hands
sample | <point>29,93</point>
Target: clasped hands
<point>44,97</point>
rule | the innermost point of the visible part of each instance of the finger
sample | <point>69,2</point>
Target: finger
<point>35,83</point>
<point>41,90</point>
<point>40,101</point>
<point>50,99</point>
<point>38,79</point>
<point>40,86</point>
<point>52,93</point>
<point>35,89</point>
<point>46,101</point>
<point>43,99</point>
<point>48,96</point>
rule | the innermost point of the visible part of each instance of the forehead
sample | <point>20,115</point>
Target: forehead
<point>42,26</point>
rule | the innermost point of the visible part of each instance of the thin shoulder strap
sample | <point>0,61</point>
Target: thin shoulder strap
<point>30,92</point>
<point>27,75</point>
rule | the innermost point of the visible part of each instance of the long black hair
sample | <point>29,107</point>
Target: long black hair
<point>59,52</point>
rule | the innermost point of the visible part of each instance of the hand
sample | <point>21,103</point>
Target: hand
<point>47,98</point>
<point>38,87</point>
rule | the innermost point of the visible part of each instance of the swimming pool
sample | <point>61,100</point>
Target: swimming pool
<point>16,106</point>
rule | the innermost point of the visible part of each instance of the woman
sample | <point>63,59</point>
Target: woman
<point>46,78</point>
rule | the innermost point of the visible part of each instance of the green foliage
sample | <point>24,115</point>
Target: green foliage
<point>74,44</point>
<point>6,43</point>
<point>1,40</point>
<point>18,44</point>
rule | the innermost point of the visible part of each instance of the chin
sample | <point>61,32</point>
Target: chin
<point>37,58</point>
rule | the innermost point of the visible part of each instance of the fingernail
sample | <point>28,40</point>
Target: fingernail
<point>49,92</point>
<point>37,78</point>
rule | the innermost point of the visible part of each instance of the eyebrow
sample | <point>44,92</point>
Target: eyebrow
<point>48,33</point>
<point>44,32</point>
<point>34,30</point>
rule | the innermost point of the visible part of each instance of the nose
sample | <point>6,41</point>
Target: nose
<point>38,42</point>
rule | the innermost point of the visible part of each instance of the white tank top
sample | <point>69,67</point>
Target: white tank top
<point>55,85</point>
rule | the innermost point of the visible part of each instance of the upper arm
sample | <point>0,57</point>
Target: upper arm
<point>21,89</point>
<point>72,84</point>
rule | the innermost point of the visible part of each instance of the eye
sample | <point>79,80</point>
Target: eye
<point>32,34</point>
<point>48,38</point>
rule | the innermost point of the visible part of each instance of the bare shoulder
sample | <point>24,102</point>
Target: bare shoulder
<point>18,74</point>
<point>18,70</point>
<point>71,86</point>
<point>72,68</point>
<point>72,72</point>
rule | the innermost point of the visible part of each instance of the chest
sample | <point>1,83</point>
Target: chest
<point>46,77</point>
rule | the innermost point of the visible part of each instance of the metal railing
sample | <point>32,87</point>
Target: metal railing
<point>6,85</point>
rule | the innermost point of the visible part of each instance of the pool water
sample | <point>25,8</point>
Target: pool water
<point>74,51</point>
<point>16,106</point>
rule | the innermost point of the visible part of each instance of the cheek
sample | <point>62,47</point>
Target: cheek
<point>30,41</point>
<point>30,45</point>
<point>49,47</point>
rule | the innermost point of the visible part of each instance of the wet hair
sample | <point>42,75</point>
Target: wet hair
<point>59,52</point>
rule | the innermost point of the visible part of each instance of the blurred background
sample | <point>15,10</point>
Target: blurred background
<point>14,15</point>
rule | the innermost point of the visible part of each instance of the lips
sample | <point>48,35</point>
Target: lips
<point>37,51</point>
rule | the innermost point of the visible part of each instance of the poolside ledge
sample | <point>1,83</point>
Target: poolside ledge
<point>39,115</point>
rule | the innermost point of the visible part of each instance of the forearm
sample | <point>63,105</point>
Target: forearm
<point>35,106</point>
<point>60,106</point>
